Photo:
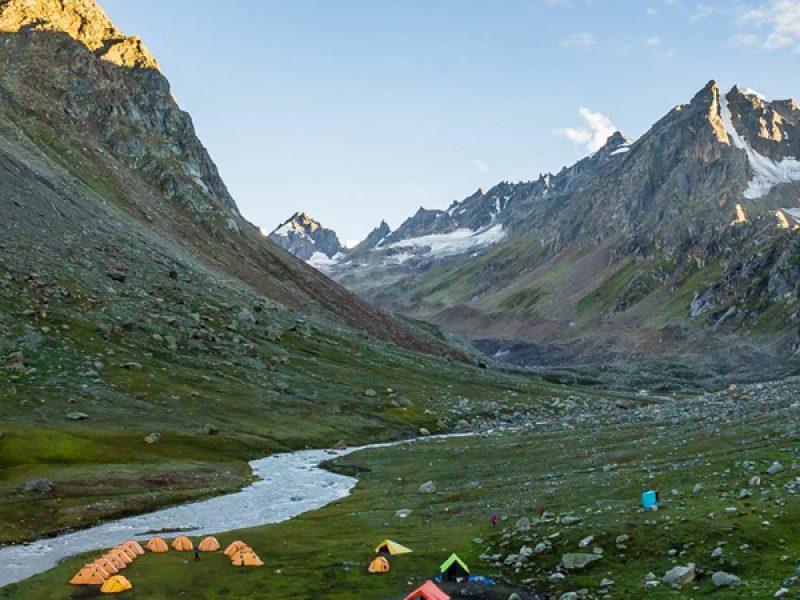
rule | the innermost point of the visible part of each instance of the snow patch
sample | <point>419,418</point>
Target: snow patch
<point>766,172</point>
<point>793,212</point>
<point>321,262</point>
<point>455,242</point>
<point>620,150</point>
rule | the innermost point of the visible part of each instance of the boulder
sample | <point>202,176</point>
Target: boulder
<point>723,579</point>
<point>152,438</point>
<point>77,416</point>
<point>578,560</point>
<point>209,429</point>
<point>427,488</point>
<point>680,575</point>
<point>41,486</point>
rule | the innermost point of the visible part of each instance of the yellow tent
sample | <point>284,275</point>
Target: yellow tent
<point>133,545</point>
<point>157,544</point>
<point>246,558</point>
<point>116,584</point>
<point>89,575</point>
<point>183,544</point>
<point>116,560</point>
<point>106,565</point>
<point>379,565</point>
<point>209,544</point>
<point>234,547</point>
<point>390,547</point>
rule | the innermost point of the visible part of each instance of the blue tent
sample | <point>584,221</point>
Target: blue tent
<point>649,499</point>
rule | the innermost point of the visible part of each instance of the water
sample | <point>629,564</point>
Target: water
<point>290,484</point>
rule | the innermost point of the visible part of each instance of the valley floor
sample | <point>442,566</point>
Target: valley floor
<point>586,470</point>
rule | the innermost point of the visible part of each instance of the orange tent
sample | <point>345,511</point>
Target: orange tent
<point>116,560</point>
<point>157,544</point>
<point>234,547</point>
<point>209,544</point>
<point>379,565</point>
<point>183,544</point>
<point>246,558</point>
<point>123,556</point>
<point>89,575</point>
<point>428,591</point>
<point>133,545</point>
<point>106,565</point>
<point>127,552</point>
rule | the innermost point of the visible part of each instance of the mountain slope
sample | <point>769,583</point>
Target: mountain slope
<point>679,246</point>
<point>135,299</point>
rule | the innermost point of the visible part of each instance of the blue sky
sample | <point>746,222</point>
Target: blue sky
<point>362,110</point>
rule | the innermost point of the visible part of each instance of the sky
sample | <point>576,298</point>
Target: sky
<point>357,111</point>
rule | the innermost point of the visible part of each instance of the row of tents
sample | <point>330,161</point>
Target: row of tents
<point>105,570</point>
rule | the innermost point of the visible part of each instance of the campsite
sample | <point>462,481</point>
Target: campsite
<point>596,493</point>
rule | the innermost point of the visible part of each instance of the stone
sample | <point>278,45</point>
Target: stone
<point>117,276</point>
<point>77,416</point>
<point>775,468</point>
<point>523,524</point>
<point>403,513</point>
<point>578,560</point>
<point>680,575</point>
<point>569,596</point>
<point>586,542</point>
<point>424,432</point>
<point>781,593</point>
<point>132,366</point>
<point>152,438</point>
<point>717,552</point>
<point>370,393</point>
<point>723,579</point>
<point>209,429</point>
<point>41,486</point>
<point>427,488</point>
<point>606,582</point>
<point>340,445</point>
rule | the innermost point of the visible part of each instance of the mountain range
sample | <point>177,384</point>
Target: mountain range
<point>681,245</point>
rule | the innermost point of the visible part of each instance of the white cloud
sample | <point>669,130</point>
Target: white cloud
<point>593,135</point>
<point>781,19</point>
<point>654,40</point>
<point>584,41</point>
<point>480,166</point>
<point>702,11</point>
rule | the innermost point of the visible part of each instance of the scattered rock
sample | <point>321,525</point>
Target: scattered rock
<point>775,468</point>
<point>722,579</point>
<point>152,438</point>
<point>427,488</point>
<point>77,416</point>
<point>403,513</point>
<point>132,366</point>
<point>578,560</point>
<point>41,486</point>
<point>117,276</point>
<point>370,393</point>
<point>209,429</point>
<point>424,432</point>
<point>680,575</point>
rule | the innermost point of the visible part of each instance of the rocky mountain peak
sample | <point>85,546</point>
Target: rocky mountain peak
<point>304,237</point>
<point>82,20</point>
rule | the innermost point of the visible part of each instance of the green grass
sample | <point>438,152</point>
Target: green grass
<point>595,473</point>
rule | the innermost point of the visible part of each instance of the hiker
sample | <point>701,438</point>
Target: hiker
<point>494,520</point>
<point>197,553</point>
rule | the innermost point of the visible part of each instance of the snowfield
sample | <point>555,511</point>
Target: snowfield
<point>450,244</point>
<point>766,172</point>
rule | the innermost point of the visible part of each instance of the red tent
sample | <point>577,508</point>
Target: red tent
<point>428,591</point>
